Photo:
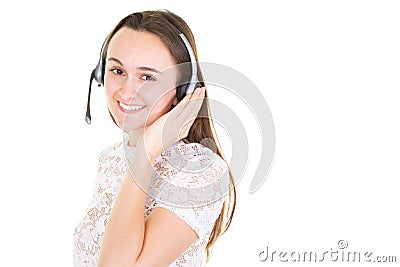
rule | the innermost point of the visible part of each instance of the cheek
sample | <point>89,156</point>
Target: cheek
<point>161,106</point>
<point>109,90</point>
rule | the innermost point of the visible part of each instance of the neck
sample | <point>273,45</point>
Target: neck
<point>133,136</point>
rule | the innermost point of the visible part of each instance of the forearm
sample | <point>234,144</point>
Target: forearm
<point>124,233</point>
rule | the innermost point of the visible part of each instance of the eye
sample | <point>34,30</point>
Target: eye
<point>148,77</point>
<point>117,71</point>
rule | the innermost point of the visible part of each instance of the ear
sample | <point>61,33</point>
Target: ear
<point>175,101</point>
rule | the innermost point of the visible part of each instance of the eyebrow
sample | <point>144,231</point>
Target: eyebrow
<point>145,68</point>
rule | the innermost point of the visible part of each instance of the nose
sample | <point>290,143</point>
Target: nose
<point>129,89</point>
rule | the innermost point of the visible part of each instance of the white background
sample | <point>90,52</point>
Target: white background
<point>329,71</point>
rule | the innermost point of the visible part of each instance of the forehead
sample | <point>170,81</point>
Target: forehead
<point>138,48</point>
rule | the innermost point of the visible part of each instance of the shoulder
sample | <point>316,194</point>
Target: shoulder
<point>114,158</point>
<point>118,150</point>
<point>111,153</point>
<point>190,174</point>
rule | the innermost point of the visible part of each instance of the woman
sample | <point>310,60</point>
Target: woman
<point>150,208</point>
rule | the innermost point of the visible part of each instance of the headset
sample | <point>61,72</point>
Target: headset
<point>181,90</point>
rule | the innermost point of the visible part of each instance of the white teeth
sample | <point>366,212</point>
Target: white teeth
<point>127,107</point>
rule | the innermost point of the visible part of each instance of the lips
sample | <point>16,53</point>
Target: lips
<point>130,109</point>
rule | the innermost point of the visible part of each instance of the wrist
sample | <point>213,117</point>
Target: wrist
<point>141,168</point>
<point>145,152</point>
<point>143,157</point>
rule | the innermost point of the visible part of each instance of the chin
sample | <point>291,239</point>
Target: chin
<point>131,125</point>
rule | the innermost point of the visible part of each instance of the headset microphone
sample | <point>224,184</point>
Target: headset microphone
<point>88,117</point>
<point>182,90</point>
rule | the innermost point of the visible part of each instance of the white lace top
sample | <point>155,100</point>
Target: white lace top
<point>189,179</point>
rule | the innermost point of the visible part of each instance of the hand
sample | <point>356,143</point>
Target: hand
<point>170,127</point>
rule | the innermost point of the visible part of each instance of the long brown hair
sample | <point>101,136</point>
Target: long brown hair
<point>165,24</point>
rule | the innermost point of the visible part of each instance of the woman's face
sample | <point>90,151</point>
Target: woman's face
<point>132,81</point>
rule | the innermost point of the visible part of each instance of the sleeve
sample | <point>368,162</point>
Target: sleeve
<point>200,219</point>
<point>192,185</point>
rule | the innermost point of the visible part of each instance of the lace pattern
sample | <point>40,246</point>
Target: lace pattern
<point>190,180</point>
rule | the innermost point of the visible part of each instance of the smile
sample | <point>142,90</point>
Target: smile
<point>129,108</point>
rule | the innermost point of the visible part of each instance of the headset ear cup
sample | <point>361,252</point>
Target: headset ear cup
<point>181,92</point>
<point>100,68</point>
<point>181,89</point>
<point>99,72</point>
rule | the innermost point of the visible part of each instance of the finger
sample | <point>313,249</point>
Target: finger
<point>193,103</point>
<point>183,104</point>
<point>192,108</point>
